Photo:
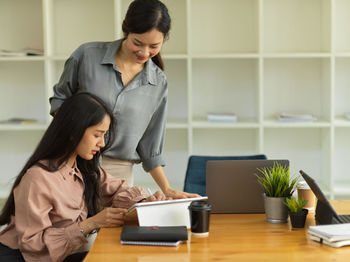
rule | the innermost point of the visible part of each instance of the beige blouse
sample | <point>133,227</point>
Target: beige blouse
<point>49,206</point>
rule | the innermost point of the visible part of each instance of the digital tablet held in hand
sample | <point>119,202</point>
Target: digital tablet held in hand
<point>132,209</point>
<point>163,213</point>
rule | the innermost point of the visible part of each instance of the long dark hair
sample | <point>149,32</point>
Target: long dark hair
<point>59,142</point>
<point>145,15</point>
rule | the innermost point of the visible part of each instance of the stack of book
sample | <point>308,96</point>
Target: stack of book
<point>337,235</point>
<point>283,117</point>
<point>222,118</point>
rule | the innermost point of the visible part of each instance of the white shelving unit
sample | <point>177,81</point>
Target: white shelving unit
<point>254,58</point>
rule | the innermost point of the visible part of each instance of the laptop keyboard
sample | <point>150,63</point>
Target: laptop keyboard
<point>344,218</point>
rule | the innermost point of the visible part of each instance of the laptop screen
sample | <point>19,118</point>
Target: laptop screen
<point>319,194</point>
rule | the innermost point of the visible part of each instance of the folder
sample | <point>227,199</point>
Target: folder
<point>153,235</point>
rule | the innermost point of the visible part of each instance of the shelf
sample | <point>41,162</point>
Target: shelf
<point>341,121</point>
<point>24,127</point>
<point>307,149</point>
<point>297,55</point>
<point>253,58</point>
<point>342,188</point>
<point>342,55</point>
<point>176,72</point>
<point>241,123</point>
<point>341,157</point>
<point>228,27</point>
<point>173,56</point>
<point>22,58</point>
<point>70,20</point>
<point>16,148</point>
<point>341,30</point>
<point>23,92</point>
<point>224,56</point>
<point>177,42</point>
<point>22,25</point>
<point>225,86</point>
<point>295,85</point>
<point>274,123</point>
<point>225,141</point>
<point>59,57</point>
<point>342,89</point>
<point>176,124</point>
<point>291,26</point>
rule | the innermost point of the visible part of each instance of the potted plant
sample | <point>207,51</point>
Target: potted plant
<point>278,185</point>
<point>297,213</point>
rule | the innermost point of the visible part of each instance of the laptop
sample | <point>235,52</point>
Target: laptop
<point>232,186</point>
<point>325,213</point>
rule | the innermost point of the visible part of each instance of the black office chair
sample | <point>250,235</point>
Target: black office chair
<point>195,180</point>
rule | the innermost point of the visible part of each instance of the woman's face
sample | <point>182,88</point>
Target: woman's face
<point>141,47</point>
<point>93,139</point>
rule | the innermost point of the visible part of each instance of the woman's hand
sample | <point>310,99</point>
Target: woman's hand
<point>176,194</point>
<point>157,196</point>
<point>108,217</point>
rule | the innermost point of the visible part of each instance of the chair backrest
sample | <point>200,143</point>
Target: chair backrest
<point>195,180</point>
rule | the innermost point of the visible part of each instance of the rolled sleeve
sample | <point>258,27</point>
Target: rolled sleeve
<point>151,144</point>
<point>118,193</point>
<point>149,164</point>
<point>63,241</point>
<point>67,85</point>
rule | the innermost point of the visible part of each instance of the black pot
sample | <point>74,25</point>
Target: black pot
<point>298,218</point>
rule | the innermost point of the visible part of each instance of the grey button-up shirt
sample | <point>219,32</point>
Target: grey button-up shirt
<point>139,108</point>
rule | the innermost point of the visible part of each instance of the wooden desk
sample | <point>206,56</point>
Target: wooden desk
<point>232,237</point>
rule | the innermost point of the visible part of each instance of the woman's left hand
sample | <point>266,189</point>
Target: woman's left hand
<point>176,194</point>
<point>157,196</point>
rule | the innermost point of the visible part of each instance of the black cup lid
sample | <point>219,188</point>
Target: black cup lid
<point>200,205</point>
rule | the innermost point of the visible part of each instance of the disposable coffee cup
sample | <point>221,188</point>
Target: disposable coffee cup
<point>305,192</point>
<point>199,216</point>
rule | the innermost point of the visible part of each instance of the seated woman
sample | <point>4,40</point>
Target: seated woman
<point>62,194</point>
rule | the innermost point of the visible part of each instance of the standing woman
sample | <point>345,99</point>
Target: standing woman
<point>128,76</point>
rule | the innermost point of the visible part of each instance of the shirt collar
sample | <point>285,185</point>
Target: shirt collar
<point>148,73</point>
<point>111,52</point>
<point>68,171</point>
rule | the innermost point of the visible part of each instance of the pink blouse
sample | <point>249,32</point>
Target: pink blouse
<point>49,206</point>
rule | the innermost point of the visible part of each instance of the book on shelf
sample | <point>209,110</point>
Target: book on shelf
<point>18,121</point>
<point>222,118</point>
<point>23,52</point>
<point>336,235</point>
<point>286,117</point>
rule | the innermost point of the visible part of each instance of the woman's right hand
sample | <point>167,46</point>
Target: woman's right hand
<point>108,217</point>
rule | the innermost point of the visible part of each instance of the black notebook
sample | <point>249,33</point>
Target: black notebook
<point>153,235</point>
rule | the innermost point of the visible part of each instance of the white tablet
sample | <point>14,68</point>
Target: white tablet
<point>163,213</point>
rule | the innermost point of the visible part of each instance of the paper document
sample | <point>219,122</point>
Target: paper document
<point>283,117</point>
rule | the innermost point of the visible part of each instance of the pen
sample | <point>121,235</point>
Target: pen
<point>149,191</point>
